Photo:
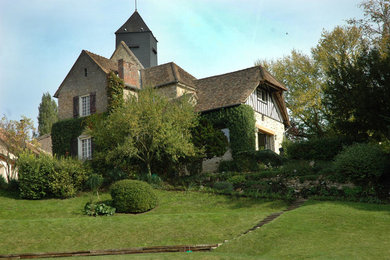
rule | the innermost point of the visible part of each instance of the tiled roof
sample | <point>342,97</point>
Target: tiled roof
<point>234,88</point>
<point>134,24</point>
<point>166,74</point>
<point>105,64</point>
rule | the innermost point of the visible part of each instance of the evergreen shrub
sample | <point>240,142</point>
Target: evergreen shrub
<point>325,148</point>
<point>42,176</point>
<point>363,164</point>
<point>131,196</point>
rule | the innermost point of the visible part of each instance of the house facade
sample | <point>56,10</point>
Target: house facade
<point>84,89</point>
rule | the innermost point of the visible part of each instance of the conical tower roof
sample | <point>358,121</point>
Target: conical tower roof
<point>134,24</point>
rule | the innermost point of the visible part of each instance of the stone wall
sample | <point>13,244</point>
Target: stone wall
<point>211,165</point>
<point>275,126</point>
<point>77,84</point>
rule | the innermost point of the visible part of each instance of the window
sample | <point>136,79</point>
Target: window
<point>85,148</point>
<point>85,72</point>
<point>85,106</point>
<point>265,141</point>
<point>262,95</point>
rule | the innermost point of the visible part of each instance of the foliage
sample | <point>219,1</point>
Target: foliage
<point>115,87</point>
<point>366,83</point>
<point>48,114</point>
<point>3,183</point>
<point>223,187</point>
<point>376,21</point>
<point>98,209</point>
<point>240,121</point>
<point>237,181</point>
<point>64,136</point>
<point>362,164</point>
<point>325,148</point>
<point>94,182</point>
<point>15,136</point>
<point>209,139</point>
<point>145,129</point>
<point>42,176</point>
<point>131,196</point>
<point>153,180</point>
<point>302,76</point>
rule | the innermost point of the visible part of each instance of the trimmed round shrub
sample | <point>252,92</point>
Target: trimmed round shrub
<point>362,164</point>
<point>130,196</point>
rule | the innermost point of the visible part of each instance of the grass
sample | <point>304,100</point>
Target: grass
<point>317,230</point>
<point>182,218</point>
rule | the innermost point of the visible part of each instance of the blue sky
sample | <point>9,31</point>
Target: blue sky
<point>41,39</point>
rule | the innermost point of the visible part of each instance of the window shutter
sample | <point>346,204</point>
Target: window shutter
<point>92,102</point>
<point>74,147</point>
<point>75,107</point>
<point>92,147</point>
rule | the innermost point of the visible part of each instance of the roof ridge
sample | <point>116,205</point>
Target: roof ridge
<point>257,66</point>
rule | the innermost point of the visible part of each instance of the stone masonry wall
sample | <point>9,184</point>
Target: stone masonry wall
<point>77,84</point>
<point>273,125</point>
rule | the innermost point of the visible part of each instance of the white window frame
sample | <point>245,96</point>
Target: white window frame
<point>87,110</point>
<point>85,147</point>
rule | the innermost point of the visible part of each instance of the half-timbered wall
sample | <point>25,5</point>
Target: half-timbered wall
<point>263,102</point>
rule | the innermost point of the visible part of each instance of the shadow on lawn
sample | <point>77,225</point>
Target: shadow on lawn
<point>235,202</point>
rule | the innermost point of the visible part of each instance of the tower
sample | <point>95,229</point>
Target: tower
<point>139,38</point>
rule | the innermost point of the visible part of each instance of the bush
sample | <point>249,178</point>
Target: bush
<point>363,164</point>
<point>33,175</point>
<point>130,196</point>
<point>223,187</point>
<point>98,209</point>
<point>325,148</point>
<point>3,183</point>
<point>45,176</point>
<point>237,181</point>
<point>297,168</point>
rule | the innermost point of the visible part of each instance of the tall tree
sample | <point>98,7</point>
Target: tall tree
<point>376,21</point>
<point>15,136</point>
<point>306,78</point>
<point>146,128</point>
<point>302,76</point>
<point>358,95</point>
<point>48,114</point>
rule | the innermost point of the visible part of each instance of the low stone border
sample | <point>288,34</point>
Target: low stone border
<point>136,250</point>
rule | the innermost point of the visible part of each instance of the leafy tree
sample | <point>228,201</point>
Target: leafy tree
<point>210,140</point>
<point>358,95</point>
<point>15,137</point>
<point>146,128</point>
<point>48,114</point>
<point>306,78</point>
<point>303,77</point>
<point>376,21</point>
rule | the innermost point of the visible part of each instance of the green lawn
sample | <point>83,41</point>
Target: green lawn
<point>317,230</point>
<point>181,218</point>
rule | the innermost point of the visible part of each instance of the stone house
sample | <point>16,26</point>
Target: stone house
<point>83,91</point>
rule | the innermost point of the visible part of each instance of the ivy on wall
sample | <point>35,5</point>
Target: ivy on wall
<point>241,123</point>
<point>115,87</point>
<point>64,136</point>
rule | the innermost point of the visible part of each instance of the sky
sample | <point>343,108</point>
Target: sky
<point>41,39</point>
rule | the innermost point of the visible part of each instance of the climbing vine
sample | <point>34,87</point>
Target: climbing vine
<point>64,136</point>
<point>241,123</point>
<point>115,87</point>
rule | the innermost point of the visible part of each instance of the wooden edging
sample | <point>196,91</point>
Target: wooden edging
<point>136,250</point>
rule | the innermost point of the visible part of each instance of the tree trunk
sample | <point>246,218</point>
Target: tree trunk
<point>149,170</point>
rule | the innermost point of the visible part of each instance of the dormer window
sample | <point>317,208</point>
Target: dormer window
<point>85,72</point>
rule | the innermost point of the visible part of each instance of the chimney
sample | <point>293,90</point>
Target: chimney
<point>129,73</point>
